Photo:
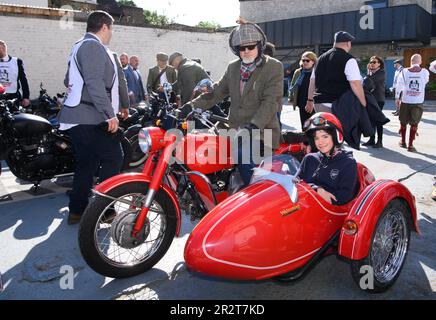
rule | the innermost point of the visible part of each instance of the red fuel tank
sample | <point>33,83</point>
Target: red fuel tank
<point>205,153</point>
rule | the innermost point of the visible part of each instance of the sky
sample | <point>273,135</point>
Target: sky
<point>190,12</point>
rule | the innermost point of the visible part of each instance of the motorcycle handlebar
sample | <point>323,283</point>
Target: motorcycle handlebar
<point>218,118</point>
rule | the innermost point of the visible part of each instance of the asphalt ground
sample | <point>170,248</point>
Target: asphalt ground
<point>35,241</point>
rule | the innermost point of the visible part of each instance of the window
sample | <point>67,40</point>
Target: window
<point>376,4</point>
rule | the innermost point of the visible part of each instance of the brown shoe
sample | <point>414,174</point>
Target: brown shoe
<point>74,218</point>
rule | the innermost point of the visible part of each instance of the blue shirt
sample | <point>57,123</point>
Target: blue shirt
<point>337,175</point>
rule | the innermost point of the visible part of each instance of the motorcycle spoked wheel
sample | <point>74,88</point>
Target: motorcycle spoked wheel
<point>105,239</point>
<point>389,248</point>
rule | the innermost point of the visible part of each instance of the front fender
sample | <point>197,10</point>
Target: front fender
<point>121,179</point>
<point>366,212</point>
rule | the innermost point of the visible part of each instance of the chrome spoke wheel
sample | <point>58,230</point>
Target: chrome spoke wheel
<point>113,231</point>
<point>389,247</point>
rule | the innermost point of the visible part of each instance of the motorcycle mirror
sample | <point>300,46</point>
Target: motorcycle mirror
<point>204,86</point>
<point>167,87</point>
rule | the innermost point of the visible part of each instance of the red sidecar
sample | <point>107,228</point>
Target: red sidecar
<point>279,228</point>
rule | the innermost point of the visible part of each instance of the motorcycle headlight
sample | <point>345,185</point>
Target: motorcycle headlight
<point>144,140</point>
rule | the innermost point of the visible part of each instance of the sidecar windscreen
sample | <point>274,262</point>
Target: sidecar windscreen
<point>283,164</point>
<point>281,169</point>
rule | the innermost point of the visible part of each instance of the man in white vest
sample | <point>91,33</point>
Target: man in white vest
<point>12,76</point>
<point>410,94</point>
<point>92,100</point>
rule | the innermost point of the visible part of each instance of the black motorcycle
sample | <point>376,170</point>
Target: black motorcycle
<point>34,149</point>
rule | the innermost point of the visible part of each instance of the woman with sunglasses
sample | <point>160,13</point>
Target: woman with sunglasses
<point>377,75</point>
<point>331,171</point>
<point>299,87</point>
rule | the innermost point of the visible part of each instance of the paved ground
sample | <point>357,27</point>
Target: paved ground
<point>36,241</point>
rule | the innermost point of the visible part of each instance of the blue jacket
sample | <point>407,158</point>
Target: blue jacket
<point>135,85</point>
<point>337,175</point>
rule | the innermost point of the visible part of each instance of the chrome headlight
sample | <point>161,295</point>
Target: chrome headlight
<point>144,140</point>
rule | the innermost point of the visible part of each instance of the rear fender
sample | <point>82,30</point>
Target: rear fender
<point>366,212</point>
<point>121,179</point>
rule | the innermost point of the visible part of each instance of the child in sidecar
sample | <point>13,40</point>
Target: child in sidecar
<point>331,171</point>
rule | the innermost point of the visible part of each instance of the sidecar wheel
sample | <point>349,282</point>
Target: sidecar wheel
<point>105,232</point>
<point>388,251</point>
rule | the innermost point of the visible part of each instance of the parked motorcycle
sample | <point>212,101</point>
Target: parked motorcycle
<point>131,222</point>
<point>46,106</point>
<point>34,149</point>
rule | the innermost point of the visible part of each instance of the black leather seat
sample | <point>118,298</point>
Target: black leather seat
<point>293,137</point>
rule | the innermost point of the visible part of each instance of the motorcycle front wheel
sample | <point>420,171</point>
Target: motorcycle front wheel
<point>105,232</point>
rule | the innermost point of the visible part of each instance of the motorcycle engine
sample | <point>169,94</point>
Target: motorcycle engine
<point>38,158</point>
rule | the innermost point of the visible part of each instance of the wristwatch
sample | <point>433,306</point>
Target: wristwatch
<point>310,100</point>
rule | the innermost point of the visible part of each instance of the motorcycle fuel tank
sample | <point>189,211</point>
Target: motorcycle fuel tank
<point>205,153</point>
<point>28,125</point>
<point>259,233</point>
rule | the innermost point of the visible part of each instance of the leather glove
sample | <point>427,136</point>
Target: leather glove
<point>184,111</point>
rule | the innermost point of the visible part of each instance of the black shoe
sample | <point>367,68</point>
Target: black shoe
<point>379,144</point>
<point>368,143</point>
<point>396,113</point>
<point>74,218</point>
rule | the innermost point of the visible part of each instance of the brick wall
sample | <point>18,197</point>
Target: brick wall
<point>271,10</point>
<point>44,47</point>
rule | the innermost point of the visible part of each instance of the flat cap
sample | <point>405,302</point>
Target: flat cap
<point>173,56</point>
<point>162,56</point>
<point>343,36</point>
<point>400,61</point>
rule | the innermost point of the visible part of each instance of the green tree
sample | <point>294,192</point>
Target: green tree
<point>152,17</point>
<point>127,3</point>
<point>208,25</point>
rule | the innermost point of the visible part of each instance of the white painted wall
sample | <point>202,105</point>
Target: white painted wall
<point>33,3</point>
<point>44,47</point>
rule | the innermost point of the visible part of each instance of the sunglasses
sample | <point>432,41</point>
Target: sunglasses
<point>306,60</point>
<point>249,47</point>
<point>373,62</point>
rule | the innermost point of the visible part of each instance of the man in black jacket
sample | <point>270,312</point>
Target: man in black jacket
<point>13,77</point>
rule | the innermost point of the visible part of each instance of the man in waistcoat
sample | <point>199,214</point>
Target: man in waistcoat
<point>335,73</point>
<point>92,99</point>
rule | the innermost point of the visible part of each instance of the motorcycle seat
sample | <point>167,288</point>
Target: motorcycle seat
<point>289,137</point>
